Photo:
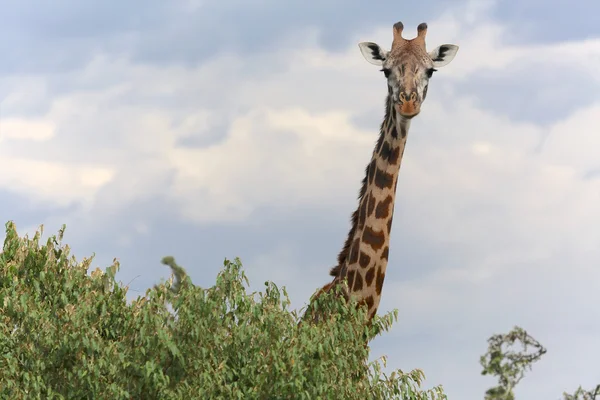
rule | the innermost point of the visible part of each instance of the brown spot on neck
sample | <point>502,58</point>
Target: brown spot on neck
<point>379,281</point>
<point>369,276</point>
<point>383,180</point>
<point>364,260</point>
<point>358,283</point>
<point>350,277</point>
<point>374,239</point>
<point>383,208</point>
<point>371,205</point>
<point>386,151</point>
<point>395,155</point>
<point>385,253</point>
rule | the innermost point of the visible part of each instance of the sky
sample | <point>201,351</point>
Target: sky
<point>209,130</point>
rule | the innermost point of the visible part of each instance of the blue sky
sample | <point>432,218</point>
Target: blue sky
<point>207,130</point>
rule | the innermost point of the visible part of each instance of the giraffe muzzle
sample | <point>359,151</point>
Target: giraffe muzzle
<point>408,105</point>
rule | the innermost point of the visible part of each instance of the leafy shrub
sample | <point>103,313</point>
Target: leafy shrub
<point>67,334</point>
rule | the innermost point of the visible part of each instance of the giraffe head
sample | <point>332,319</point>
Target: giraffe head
<point>408,67</point>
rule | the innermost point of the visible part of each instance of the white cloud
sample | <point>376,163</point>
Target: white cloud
<point>573,142</point>
<point>23,129</point>
<point>280,159</point>
<point>53,183</point>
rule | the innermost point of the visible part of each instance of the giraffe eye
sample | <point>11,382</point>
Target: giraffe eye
<point>386,72</point>
<point>430,72</point>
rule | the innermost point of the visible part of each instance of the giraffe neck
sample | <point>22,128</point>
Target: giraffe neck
<point>363,260</point>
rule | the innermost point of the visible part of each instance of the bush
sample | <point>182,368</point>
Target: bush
<point>67,334</point>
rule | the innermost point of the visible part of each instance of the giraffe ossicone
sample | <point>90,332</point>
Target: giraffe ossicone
<point>362,262</point>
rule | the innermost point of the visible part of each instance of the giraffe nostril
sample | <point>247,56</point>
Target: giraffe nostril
<point>404,97</point>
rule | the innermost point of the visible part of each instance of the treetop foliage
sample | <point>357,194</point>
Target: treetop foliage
<point>68,333</point>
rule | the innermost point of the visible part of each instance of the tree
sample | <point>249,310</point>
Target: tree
<point>67,333</point>
<point>509,361</point>
<point>508,364</point>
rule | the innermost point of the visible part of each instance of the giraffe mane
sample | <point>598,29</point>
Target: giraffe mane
<point>339,270</point>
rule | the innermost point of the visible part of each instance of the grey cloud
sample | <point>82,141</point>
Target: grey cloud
<point>535,93</point>
<point>66,34</point>
<point>63,35</point>
<point>246,27</point>
<point>70,18</point>
<point>216,135</point>
<point>537,22</point>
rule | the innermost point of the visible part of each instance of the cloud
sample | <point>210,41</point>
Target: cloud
<point>281,159</point>
<point>137,116</point>
<point>53,183</point>
<point>20,129</point>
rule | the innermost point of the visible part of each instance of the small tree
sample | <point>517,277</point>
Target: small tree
<point>507,363</point>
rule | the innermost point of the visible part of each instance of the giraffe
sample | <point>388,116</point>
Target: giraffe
<point>408,68</point>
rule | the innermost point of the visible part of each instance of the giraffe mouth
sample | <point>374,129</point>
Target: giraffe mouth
<point>411,116</point>
<point>407,110</point>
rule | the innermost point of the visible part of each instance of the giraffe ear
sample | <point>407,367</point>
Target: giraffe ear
<point>372,52</point>
<point>442,55</point>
